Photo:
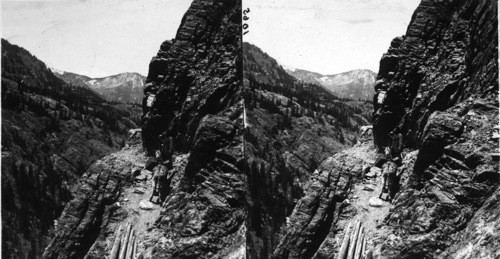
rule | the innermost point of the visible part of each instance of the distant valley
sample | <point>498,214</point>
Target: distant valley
<point>52,131</point>
<point>355,84</point>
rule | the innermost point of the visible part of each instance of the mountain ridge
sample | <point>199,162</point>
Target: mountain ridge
<point>126,87</point>
<point>353,84</point>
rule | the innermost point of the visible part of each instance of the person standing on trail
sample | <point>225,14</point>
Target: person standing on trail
<point>391,180</point>
<point>390,168</point>
<point>159,175</point>
<point>162,180</point>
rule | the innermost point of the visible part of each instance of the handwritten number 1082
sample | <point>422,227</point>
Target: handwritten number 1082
<point>245,18</point>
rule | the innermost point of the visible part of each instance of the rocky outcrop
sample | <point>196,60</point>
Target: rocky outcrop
<point>85,217</point>
<point>478,239</point>
<point>196,74</point>
<point>316,211</point>
<point>448,54</point>
<point>210,194</point>
<point>312,228</point>
<point>454,173</point>
<point>193,105</point>
<point>438,87</point>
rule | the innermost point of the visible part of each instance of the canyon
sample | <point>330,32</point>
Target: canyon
<point>232,155</point>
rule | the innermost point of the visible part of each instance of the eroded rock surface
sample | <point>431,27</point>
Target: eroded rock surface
<point>454,173</point>
<point>193,105</point>
<point>95,200</point>
<point>438,87</point>
<point>448,54</point>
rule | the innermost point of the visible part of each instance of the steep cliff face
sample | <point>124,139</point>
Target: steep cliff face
<point>448,54</point>
<point>195,74</point>
<point>438,87</point>
<point>193,105</point>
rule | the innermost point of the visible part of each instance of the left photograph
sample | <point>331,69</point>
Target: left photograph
<point>122,129</point>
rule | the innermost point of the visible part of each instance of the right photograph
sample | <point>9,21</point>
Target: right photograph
<point>371,129</point>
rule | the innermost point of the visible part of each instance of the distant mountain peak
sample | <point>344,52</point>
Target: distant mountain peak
<point>56,71</point>
<point>288,68</point>
<point>353,84</point>
<point>123,87</point>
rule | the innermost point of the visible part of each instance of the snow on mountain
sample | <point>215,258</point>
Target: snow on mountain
<point>287,68</point>
<point>123,87</point>
<point>56,71</point>
<point>354,84</point>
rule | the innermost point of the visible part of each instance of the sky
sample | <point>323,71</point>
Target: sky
<point>96,38</point>
<point>99,38</point>
<point>327,36</point>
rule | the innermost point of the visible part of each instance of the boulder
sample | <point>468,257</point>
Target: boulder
<point>375,202</point>
<point>146,205</point>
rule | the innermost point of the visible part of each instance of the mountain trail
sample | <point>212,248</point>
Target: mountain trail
<point>141,213</point>
<point>362,203</point>
<point>128,207</point>
<point>135,210</point>
<point>364,192</point>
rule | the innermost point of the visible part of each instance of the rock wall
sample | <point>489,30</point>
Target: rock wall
<point>196,74</point>
<point>193,105</point>
<point>318,210</point>
<point>438,87</point>
<point>448,54</point>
